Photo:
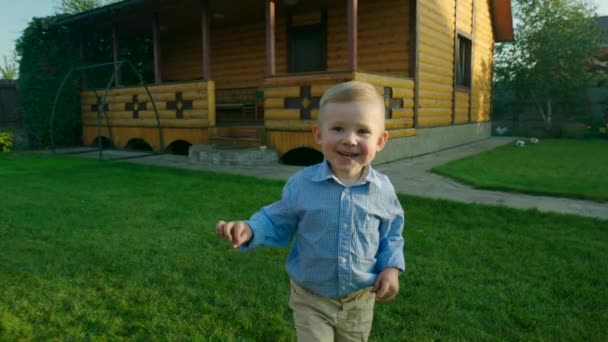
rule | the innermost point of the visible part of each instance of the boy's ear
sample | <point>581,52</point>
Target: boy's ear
<point>382,140</point>
<point>316,132</point>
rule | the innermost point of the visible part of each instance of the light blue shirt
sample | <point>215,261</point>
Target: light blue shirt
<point>344,236</point>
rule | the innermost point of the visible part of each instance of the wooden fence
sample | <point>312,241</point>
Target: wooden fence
<point>10,114</point>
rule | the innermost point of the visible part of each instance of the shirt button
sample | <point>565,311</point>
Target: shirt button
<point>345,226</point>
<point>343,260</point>
<point>343,288</point>
<point>346,190</point>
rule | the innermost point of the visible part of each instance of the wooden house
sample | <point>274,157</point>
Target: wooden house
<point>255,69</point>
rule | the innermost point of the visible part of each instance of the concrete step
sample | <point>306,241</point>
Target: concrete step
<point>232,156</point>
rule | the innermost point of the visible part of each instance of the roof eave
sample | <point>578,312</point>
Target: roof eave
<point>79,17</point>
<point>502,20</point>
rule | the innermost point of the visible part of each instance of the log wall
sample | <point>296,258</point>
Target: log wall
<point>439,103</point>
<point>461,107</point>
<point>465,16</point>
<point>238,56</point>
<point>384,37</point>
<point>436,62</point>
<point>483,47</point>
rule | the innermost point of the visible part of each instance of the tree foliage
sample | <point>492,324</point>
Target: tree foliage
<point>47,53</point>
<point>547,62</point>
<point>77,6</point>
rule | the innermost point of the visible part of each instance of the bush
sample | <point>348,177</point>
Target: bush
<point>6,141</point>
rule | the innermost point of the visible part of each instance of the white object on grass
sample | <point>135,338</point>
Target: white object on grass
<point>534,140</point>
<point>520,143</point>
<point>501,130</point>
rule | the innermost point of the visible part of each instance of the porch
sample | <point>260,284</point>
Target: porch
<point>253,72</point>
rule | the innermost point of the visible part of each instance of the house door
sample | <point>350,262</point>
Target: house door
<point>307,49</point>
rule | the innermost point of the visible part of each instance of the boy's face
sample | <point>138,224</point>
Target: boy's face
<point>350,135</point>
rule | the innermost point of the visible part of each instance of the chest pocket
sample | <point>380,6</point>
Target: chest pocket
<point>368,235</point>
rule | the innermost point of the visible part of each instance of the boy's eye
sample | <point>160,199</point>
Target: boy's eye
<point>364,131</point>
<point>337,129</point>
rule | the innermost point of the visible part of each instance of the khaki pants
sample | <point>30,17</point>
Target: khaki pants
<point>322,319</point>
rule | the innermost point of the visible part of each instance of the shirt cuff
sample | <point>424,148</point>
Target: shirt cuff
<point>395,260</point>
<point>256,223</point>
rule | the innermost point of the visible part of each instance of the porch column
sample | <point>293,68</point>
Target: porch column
<point>156,43</point>
<point>205,35</point>
<point>116,54</point>
<point>270,30</point>
<point>84,83</point>
<point>352,34</point>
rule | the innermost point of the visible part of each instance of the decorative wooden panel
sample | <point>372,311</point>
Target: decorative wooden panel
<point>291,106</point>
<point>122,135</point>
<point>129,109</point>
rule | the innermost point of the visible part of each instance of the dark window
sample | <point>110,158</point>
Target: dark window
<point>307,46</point>
<point>463,61</point>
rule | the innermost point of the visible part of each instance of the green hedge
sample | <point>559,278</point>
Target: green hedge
<point>47,52</point>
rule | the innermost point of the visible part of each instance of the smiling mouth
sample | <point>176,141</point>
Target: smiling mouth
<point>348,154</point>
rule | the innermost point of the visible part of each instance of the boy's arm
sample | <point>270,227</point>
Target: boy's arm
<point>275,224</point>
<point>390,251</point>
<point>390,259</point>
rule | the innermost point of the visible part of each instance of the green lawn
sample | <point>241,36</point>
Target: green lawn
<point>569,168</point>
<point>110,250</point>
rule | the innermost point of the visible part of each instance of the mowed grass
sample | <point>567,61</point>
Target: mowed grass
<point>569,168</point>
<point>117,251</point>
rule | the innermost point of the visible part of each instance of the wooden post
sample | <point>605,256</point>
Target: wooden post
<point>84,82</point>
<point>270,32</point>
<point>205,35</point>
<point>158,79</point>
<point>352,34</point>
<point>116,54</point>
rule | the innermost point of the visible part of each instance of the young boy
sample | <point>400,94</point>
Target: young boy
<point>346,218</point>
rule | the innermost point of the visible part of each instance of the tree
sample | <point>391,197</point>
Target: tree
<point>77,6</point>
<point>8,69</point>
<point>547,62</point>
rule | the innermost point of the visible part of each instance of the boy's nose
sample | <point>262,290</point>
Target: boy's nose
<point>350,138</point>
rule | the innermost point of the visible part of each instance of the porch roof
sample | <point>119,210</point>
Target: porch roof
<point>134,11</point>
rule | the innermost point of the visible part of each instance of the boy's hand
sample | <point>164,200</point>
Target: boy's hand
<point>387,285</point>
<point>236,231</point>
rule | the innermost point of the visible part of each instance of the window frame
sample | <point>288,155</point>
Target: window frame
<point>463,64</point>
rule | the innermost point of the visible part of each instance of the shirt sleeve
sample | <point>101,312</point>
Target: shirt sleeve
<point>390,251</point>
<point>275,224</point>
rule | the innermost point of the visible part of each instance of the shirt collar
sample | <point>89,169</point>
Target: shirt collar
<point>324,172</point>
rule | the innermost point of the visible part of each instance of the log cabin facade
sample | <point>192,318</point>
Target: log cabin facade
<point>222,64</point>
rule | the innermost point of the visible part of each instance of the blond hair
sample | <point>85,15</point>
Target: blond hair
<point>353,91</point>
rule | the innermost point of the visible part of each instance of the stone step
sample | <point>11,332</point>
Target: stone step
<point>223,156</point>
